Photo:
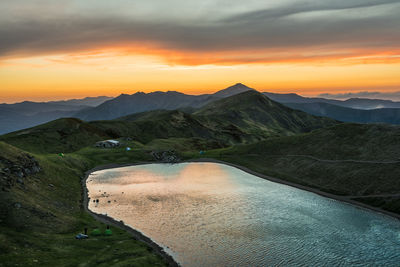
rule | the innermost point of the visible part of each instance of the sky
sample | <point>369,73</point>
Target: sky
<point>67,49</point>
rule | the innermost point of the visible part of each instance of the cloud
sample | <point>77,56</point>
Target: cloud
<point>395,96</point>
<point>299,29</point>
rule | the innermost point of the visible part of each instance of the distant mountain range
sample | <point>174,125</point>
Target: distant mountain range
<point>139,102</point>
<point>356,103</point>
<point>26,114</point>
<point>246,117</point>
<point>87,101</point>
<point>382,115</point>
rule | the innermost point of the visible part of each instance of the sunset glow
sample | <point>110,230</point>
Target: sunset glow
<point>278,47</point>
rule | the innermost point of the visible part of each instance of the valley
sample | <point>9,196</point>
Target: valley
<point>355,162</point>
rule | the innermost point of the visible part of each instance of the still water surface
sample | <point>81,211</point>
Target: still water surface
<point>208,214</point>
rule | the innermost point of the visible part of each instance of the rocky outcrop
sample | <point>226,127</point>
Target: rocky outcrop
<point>13,171</point>
<point>169,156</point>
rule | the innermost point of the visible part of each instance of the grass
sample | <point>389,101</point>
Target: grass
<point>31,248</point>
<point>42,230</point>
<point>281,157</point>
<point>387,203</point>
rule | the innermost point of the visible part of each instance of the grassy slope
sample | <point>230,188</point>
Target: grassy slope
<point>277,157</point>
<point>42,230</point>
<point>62,135</point>
<point>258,116</point>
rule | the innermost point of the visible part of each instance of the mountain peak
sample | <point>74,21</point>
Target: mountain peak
<point>233,90</point>
<point>239,85</point>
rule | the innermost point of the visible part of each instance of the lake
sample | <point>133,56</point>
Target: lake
<point>209,214</point>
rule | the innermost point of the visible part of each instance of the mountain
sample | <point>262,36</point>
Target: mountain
<point>11,121</point>
<point>355,103</point>
<point>364,103</point>
<point>87,101</point>
<point>257,115</point>
<point>18,116</point>
<point>241,118</point>
<point>31,108</point>
<point>384,115</point>
<point>232,90</point>
<point>27,114</point>
<point>139,102</point>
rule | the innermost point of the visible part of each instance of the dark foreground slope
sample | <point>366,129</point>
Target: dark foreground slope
<point>41,211</point>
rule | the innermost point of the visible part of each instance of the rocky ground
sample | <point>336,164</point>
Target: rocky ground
<point>13,171</point>
<point>169,156</point>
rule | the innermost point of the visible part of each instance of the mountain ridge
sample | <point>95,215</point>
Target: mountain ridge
<point>345,114</point>
<point>256,118</point>
<point>26,114</point>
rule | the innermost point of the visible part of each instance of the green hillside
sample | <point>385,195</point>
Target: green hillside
<point>41,212</point>
<point>355,160</point>
<point>62,135</point>
<point>257,115</point>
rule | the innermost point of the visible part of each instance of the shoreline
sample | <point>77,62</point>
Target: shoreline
<point>158,249</point>
<point>302,187</point>
<point>119,224</point>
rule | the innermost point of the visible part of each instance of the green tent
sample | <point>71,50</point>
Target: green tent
<point>108,232</point>
<point>96,232</point>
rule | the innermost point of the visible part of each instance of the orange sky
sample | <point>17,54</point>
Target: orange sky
<point>124,47</point>
<point>50,77</point>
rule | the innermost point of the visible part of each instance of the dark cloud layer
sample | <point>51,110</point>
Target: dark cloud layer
<point>301,25</point>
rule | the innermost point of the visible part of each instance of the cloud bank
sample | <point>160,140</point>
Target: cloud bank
<point>205,31</point>
<point>394,96</point>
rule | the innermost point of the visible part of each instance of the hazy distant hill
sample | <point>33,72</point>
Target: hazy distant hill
<point>139,102</point>
<point>383,115</point>
<point>27,114</point>
<point>87,101</point>
<point>14,117</point>
<point>355,103</point>
<point>31,108</point>
<point>11,121</point>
